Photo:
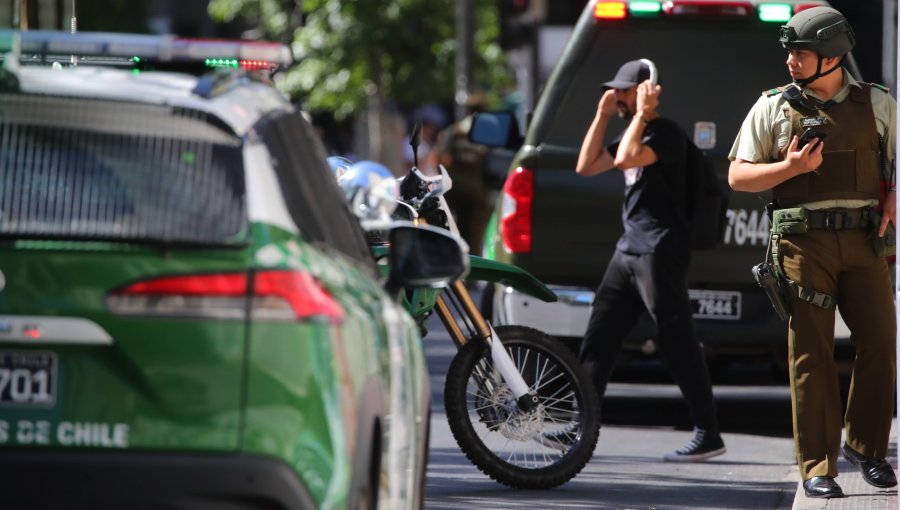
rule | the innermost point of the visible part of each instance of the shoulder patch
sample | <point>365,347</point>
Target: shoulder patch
<point>772,92</point>
<point>881,87</point>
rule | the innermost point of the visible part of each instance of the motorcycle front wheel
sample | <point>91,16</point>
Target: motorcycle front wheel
<point>536,448</point>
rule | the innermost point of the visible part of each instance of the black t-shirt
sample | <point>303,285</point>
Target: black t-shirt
<point>653,213</point>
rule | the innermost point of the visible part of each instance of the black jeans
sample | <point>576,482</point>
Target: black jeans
<point>656,283</point>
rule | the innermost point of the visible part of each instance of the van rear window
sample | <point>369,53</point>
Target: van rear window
<point>709,72</point>
<point>88,169</point>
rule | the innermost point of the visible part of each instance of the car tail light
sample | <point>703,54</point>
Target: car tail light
<point>275,295</point>
<point>304,295</point>
<point>515,225</point>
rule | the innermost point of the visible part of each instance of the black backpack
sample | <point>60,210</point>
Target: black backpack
<point>707,200</point>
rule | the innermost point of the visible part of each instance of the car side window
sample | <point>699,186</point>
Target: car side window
<point>313,197</point>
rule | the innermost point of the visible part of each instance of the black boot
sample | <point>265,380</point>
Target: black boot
<point>822,487</point>
<point>874,471</point>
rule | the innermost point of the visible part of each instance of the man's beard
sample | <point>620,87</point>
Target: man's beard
<point>624,111</point>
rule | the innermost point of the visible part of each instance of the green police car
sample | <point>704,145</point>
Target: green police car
<point>189,314</point>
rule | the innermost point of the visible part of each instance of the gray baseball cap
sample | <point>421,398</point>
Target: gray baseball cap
<point>630,74</point>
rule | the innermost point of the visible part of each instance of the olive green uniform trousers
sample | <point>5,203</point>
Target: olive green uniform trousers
<point>841,264</point>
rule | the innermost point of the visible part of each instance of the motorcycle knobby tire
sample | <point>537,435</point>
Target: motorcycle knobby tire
<point>456,406</point>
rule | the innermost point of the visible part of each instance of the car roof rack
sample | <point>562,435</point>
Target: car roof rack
<point>107,48</point>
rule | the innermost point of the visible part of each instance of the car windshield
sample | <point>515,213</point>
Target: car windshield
<point>76,168</point>
<point>709,72</point>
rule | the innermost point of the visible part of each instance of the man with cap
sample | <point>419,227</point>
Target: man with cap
<point>648,271</point>
<point>828,242</point>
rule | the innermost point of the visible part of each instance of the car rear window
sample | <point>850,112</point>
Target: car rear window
<point>77,168</point>
<point>709,71</point>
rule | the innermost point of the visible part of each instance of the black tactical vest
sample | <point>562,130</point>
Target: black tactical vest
<point>850,166</point>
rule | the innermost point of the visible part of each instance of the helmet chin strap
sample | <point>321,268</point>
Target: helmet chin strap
<point>806,81</point>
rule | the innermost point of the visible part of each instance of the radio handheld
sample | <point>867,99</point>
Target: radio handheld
<point>808,135</point>
<point>653,74</point>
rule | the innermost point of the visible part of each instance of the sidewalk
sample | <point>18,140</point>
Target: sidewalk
<point>859,494</point>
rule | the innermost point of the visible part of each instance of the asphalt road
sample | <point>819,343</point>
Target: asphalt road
<point>643,417</point>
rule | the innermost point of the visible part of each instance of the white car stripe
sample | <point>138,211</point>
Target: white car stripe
<point>42,330</point>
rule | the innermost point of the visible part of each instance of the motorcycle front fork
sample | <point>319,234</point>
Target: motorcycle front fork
<point>479,328</point>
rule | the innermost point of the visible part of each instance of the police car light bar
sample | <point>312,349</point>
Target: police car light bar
<point>773,11</point>
<point>802,7</point>
<point>707,8</point>
<point>160,48</point>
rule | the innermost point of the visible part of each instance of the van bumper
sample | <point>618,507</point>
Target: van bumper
<point>750,327</point>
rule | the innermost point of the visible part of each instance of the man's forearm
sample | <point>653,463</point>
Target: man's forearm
<point>631,146</point>
<point>592,149</point>
<point>758,177</point>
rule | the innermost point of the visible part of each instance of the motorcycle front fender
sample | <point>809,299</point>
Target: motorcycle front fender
<point>487,270</point>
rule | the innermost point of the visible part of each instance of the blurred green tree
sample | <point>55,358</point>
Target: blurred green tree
<point>357,54</point>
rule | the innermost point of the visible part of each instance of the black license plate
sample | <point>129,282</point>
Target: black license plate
<point>28,378</point>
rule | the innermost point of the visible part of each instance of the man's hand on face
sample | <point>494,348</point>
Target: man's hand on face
<point>805,160</point>
<point>607,106</point>
<point>648,98</point>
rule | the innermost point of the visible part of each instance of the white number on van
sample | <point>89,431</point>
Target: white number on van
<point>747,227</point>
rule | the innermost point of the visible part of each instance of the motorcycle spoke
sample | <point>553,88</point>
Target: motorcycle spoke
<point>507,431</point>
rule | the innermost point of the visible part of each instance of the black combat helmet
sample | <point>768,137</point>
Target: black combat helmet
<point>820,29</point>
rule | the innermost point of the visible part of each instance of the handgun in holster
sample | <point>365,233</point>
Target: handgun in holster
<point>769,277</point>
<point>775,288</point>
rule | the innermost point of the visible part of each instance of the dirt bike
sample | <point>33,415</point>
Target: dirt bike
<point>519,403</point>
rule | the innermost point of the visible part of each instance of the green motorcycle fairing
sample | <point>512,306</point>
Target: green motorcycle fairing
<point>486,270</point>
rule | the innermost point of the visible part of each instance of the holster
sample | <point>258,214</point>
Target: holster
<point>768,274</point>
<point>776,289</point>
<point>884,246</point>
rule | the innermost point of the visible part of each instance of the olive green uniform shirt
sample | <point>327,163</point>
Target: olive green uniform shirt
<point>765,133</point>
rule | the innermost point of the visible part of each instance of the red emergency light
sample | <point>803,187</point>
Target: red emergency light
<point>802,7</point>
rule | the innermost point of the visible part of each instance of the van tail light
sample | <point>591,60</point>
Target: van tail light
<point>515,225</point>
<point>277,295</point>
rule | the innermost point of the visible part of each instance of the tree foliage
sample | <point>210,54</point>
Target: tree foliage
<point>345,50</point>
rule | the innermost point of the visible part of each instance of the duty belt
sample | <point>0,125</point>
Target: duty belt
<point>799,220</point>
<point>838,219</point>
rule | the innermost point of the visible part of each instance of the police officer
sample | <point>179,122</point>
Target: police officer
<point>825,227</point>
